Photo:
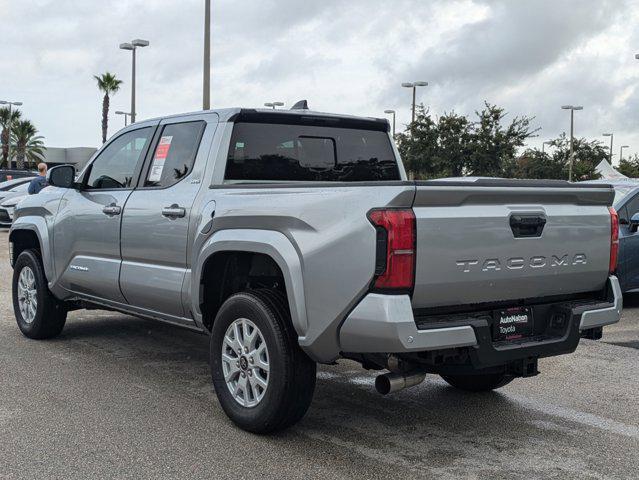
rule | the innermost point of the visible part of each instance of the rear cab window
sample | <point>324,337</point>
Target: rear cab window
<point>290,148</point>
<point>174,154</point>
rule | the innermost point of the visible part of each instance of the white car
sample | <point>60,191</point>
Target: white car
<point>7,207</point>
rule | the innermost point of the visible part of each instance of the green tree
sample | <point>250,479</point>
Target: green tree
<point>587,155</point>
<point>454,146</point>
<point>535,164</point>
<point>109,85</point>
<point>418,146</point>
<point>629,166</point>
<point>7,117</point>
<point>29,146</point>
<point>495,145</point>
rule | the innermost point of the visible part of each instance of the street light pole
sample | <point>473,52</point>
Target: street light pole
<point>274,104</point>
<point>572,109</point>
<point>126,116</point>
<point>621,152</point>
<point>611,137</point>
<point>206,85</point>
<point>393,113</point>
<point>133,46</point>
<point>17,104</point>
<point>414,86</point>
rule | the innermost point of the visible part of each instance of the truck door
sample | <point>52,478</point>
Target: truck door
<point>155,223</point>
<point>87,229</point>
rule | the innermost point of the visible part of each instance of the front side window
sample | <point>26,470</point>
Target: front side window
<point>632,207</point>
<point>115,166</point>
<point>279,152</point>
<point>174,154</point>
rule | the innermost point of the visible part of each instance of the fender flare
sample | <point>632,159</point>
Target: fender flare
<point>269,242</point>
<point>38,225</point>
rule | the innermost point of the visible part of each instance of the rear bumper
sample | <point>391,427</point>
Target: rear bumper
<point>604,316</point>
<point>386,324</point>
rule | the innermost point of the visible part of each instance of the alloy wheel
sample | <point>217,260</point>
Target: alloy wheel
<point>27,295</point>
<point>245,362</point>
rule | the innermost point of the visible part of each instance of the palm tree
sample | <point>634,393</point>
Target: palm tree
<point>108,84</point>
<point>7,117</point>
<point>29,146</point>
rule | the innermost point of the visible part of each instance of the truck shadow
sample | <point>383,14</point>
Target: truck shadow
<point>425,428</point>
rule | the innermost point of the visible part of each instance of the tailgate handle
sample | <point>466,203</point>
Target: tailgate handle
<point>527,226</point>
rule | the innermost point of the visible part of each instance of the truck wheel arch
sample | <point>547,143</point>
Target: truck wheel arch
<point>24,236</point>
<point>272,246</point>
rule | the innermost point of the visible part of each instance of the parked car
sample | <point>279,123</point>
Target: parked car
<point>20,188</point>
<point>7,208</point>
<point>9,184</point>
<point>627,206</point>
<point>9,199</point>
<point>294,238</point>
<point>9,174</point>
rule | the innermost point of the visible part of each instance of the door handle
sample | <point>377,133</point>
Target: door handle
<point>174,211</point>
<point>112,210</point>
<point>525,226</point>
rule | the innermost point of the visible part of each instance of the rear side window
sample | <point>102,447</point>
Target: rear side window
<point>174,154</point>
<point>274,152</point>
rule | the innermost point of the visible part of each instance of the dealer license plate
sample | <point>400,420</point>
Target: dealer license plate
<point>512,323</point>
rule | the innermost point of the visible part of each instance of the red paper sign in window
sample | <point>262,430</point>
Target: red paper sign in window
<point>163,148</point>
<point>161,152</point>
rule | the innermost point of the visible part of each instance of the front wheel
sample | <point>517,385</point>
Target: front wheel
<point>478,383</point>
<point>38,313</point>
<point>262,378</point>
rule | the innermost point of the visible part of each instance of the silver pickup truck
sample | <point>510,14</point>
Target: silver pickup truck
<point>294,238</point>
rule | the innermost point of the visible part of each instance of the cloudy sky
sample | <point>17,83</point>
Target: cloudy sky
<point>345,56</point>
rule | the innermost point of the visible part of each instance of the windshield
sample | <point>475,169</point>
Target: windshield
<point>9,184</point>
<point>20,188</point>
<point>621,192</point>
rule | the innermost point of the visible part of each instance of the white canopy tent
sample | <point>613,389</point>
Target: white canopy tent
<point>608,172</point>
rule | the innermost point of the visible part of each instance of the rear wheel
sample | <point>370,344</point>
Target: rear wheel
<point>38,313</point>
<point>478,383</point>
<point>262,378</point>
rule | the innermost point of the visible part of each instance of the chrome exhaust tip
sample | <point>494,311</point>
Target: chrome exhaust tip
<point>393,382</point>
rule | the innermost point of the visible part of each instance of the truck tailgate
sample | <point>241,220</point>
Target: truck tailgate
<point>500,240</point>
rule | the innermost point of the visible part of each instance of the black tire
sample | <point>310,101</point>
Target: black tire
<point>478,383</point>
<point>291,380</point>
<point>51,314</point>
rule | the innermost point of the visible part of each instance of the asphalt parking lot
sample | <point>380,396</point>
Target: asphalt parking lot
<point>119,397</point>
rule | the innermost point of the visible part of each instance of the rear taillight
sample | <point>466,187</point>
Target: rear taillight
<point>614,239</point>
<point>395,262</point>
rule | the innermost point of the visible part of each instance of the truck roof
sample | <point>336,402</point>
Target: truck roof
<point>230,114</point>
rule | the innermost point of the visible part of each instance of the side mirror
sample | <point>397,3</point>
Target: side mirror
<point>62,176</point>
<point>634,222</point>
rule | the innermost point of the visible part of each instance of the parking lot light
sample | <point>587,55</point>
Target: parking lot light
<point>126,116</point>
<point>572,109</point>
<point>393,113</point>
<point>611,137</point>
<point>621,152</point>
<point>414,86</point>
<point>133,46</point>
<point>274,104</point>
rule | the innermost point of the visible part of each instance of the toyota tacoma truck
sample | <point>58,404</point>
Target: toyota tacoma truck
<point>294,238</point>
